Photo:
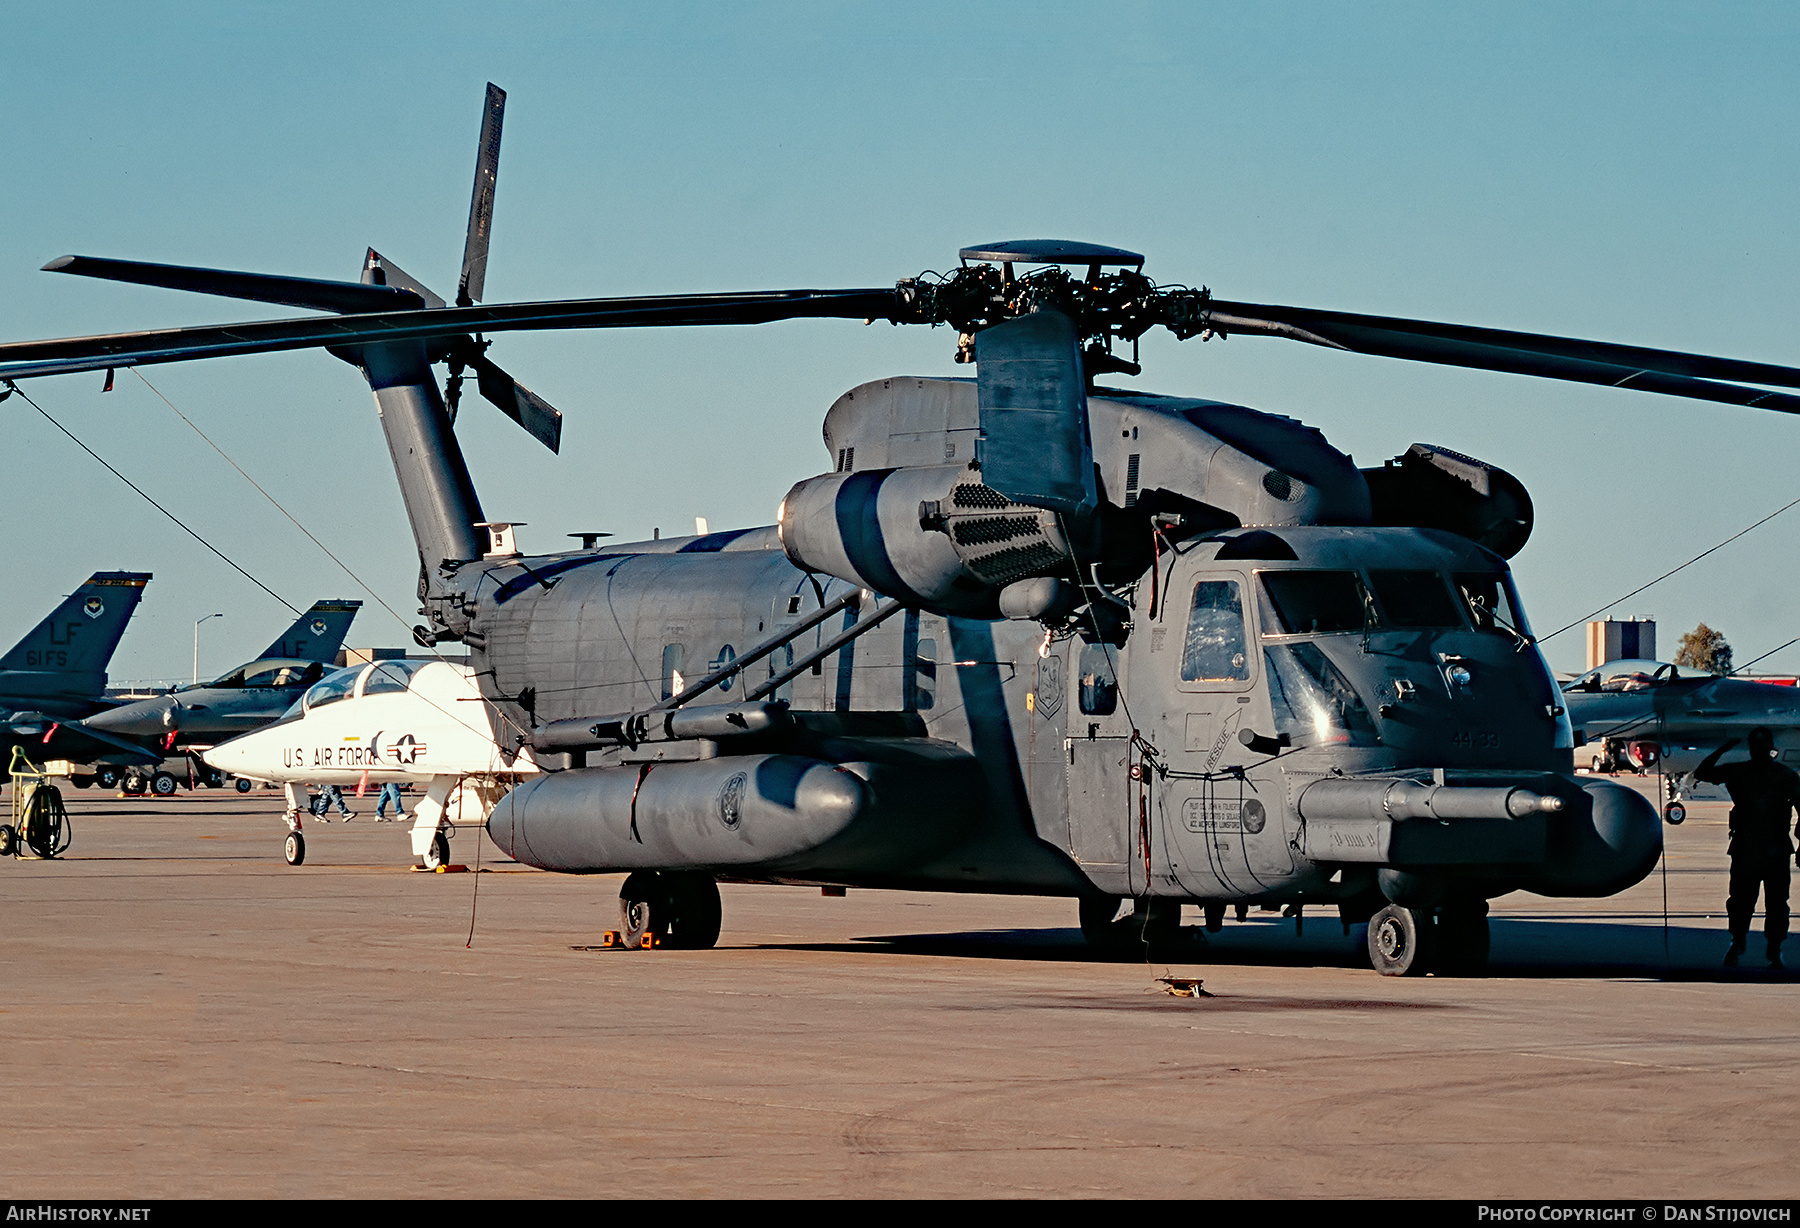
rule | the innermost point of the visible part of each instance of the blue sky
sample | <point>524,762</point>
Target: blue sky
<point>1619,171</point>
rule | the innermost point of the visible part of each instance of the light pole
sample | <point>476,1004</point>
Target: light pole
<point>197,623</point>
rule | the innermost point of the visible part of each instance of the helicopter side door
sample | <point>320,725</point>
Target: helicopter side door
<point>1098,752</point>
<point>1224,834</point>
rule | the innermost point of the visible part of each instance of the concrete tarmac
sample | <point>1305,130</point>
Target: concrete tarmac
<point>182,1014</point>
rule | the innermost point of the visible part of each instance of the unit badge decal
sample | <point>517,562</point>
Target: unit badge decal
<point>731,801</point>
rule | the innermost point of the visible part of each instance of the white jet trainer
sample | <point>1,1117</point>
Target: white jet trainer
<point>420,722</point>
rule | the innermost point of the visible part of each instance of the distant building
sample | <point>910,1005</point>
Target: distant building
<point>1616,639</point>
<point>362,656</point>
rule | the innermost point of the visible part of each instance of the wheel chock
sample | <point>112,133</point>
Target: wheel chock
<point>613,940</point>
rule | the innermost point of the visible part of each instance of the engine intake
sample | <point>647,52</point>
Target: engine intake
<point>933,536</point>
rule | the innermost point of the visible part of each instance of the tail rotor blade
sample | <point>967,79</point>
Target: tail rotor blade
<point>481,207</point>
<point>519,403</point>
<point>399,278</point>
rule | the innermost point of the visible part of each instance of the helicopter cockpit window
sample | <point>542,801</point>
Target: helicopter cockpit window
<point>1099,686</point>
<point>1215,650</point>
<point>1314,704</point>
<point>1315,602</point>
<point>1414,599</point>
<point>1492,605</point>
<point>388,676</point>
<point>334,687</point>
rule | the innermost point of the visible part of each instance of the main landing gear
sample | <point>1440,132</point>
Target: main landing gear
<point>1413,941</point>
<point>681,909</point>
<point>1107,924</point>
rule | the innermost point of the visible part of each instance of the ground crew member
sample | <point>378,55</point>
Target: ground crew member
<point>1762,793</point>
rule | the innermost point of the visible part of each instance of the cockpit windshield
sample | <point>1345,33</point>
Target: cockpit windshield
<point>1327,602</point>
<point>1633,674</point>
<point>1491,603</point>
<point>394,675</point>
<point>268,673</point>
<point>333,687</point>
<point>1314,602</point>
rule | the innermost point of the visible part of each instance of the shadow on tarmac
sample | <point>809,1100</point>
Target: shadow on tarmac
<point>1520,948</point>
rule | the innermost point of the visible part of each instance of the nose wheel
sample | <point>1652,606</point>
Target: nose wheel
<point>293,851</point>
<point>439,852</point>
<point>1400,941</point>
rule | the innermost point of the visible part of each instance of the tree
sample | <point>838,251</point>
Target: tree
<point>1704,648</point>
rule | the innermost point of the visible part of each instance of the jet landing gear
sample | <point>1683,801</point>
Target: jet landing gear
<point>680,909</point>
<point>439,852</point>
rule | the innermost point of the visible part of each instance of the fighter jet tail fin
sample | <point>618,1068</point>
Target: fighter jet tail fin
<point>79,636</point>
<point>317,634</point>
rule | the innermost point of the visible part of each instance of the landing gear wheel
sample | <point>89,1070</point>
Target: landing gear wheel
<point>82,782</point>
<point>640,901</point>
<point>163,784</point>
<point>1462,937</point>
<point>680,909</point>
<point>1400,941</point>
<point>133,784</point>
<point>439,852</point>
<point>9,841</point>
<point>1674,814</point>
<point>244,785</point>
<point>107,777</point>
<point>294,851</point>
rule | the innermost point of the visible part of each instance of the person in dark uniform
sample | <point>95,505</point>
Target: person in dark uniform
<point>1762,793</point>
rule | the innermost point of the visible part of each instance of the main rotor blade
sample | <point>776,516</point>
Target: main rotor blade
<point>1540,354</point>
<point>518,402</point>
<point>20,359</point>
<point>481,205</point>
<point>348,297</point>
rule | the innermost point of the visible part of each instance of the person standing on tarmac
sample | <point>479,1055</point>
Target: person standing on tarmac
<point>327,797</point>
<point>389,792</point>
<point>1763,792</point>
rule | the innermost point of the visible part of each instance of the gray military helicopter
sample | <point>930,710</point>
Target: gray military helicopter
<point>238,701</point>
<point>1031,634</point>
<point>56,674</point>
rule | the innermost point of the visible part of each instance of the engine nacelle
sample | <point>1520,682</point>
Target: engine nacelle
<point>931,536</point>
